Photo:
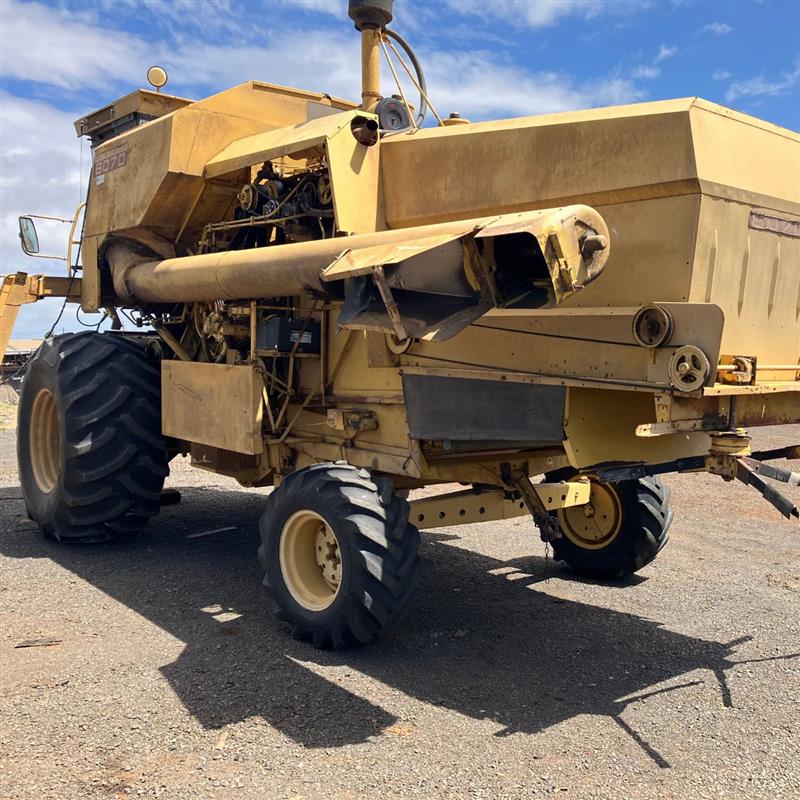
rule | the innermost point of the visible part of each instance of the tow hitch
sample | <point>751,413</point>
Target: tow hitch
<point>729,457</point>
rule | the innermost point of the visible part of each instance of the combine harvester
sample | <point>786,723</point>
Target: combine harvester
<point>339,303</point>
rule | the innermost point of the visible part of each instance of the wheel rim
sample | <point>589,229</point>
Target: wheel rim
<point>44,440</point>
<point>310,560</point>
<point>596,524</point>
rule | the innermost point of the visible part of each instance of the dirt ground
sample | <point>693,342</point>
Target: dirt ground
<point>508,679</point>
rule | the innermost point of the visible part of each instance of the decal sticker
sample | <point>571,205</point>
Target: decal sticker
<point>108,161</point>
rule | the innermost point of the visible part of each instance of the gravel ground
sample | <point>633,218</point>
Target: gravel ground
<point>508,678</point>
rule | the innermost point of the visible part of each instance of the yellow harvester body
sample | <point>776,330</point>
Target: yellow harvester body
<point>336,302</point>
<point>597,289</point>
<point>703,209</point>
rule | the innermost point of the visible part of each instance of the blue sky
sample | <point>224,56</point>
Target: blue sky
<point>491,59</point>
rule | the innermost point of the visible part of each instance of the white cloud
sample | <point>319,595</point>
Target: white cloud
<point>48,45</point>
<point>484,89</point>
<point>664,53</point>
<point>720,75</point>
<point>337,8</point>
<point>40,172</point>
<point>327,62</point>
<point>763,87</point>
<point>645,72</point>
<point>176,18</point>
<point>40,165</point>
<point>60,49</point>
<point>70,48</point>
<point>717,28</point>
<point>651,71</point>
<point>543,13</point>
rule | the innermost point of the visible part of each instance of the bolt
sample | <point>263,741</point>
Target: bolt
<point>591,244</point>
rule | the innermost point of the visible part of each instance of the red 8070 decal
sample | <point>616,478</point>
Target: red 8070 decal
<point>109,161</point>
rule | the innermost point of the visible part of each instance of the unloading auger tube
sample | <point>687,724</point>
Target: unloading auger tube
<point>564,250</point>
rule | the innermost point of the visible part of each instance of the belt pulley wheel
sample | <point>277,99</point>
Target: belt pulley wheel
<point>45,441</point>
<point>310,560</point>
<point>689,368</point>
<point>325,191</point>
<point>596,524</point>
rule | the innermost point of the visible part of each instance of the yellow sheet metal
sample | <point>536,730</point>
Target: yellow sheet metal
<point>352,263</point>
<point>279,142</point>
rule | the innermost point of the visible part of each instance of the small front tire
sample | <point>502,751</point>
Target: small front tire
<point>621,530</point>
<point>340,557</point>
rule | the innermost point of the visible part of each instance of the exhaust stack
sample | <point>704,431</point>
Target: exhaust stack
<point>370,18</point>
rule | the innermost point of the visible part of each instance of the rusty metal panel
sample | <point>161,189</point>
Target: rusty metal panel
<point>213,404</point>
<point>775,409</point>
<point>215,459</point>
<point>676,414</point>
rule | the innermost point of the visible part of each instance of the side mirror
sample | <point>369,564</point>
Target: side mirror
<point>28,236</point>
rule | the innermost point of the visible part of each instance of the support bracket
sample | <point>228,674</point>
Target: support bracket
<point>548,527</point>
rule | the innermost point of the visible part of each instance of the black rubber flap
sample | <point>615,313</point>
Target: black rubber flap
<point>463,409</point>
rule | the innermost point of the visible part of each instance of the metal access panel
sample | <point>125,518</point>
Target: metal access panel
<point>212,404</point>
<point>466,409</point>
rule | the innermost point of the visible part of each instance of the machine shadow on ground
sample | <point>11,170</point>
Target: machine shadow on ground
<point>479,639</point>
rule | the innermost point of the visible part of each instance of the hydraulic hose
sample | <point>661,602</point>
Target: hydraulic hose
<point>423,104</point>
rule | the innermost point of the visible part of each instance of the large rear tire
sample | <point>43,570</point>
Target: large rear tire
<point>340,557</point>
<point>92,459</point>
<point>621,530</point>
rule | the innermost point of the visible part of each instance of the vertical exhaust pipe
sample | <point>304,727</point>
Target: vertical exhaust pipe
<point>370,18</point>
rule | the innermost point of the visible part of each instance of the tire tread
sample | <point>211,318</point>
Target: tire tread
<point>114,455</point>
<point>647,517</point>
<point>385,564</point>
